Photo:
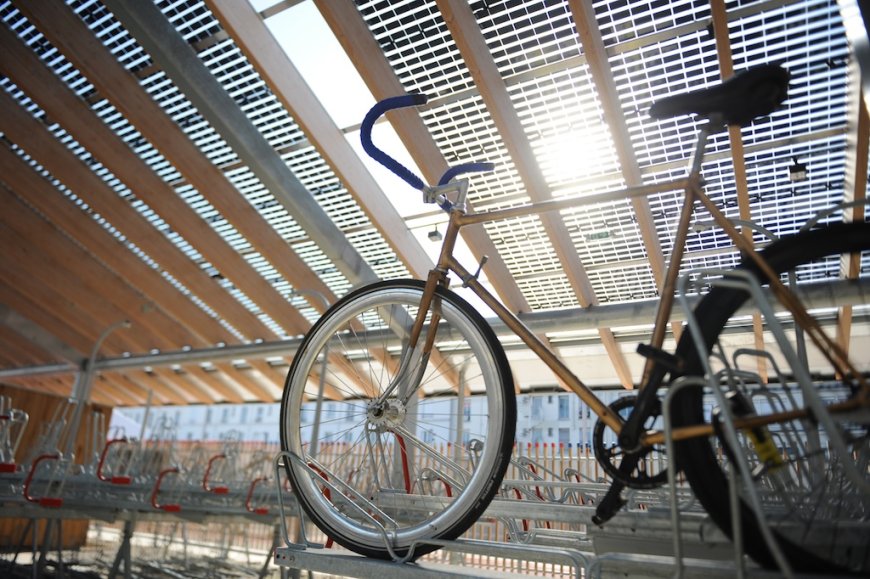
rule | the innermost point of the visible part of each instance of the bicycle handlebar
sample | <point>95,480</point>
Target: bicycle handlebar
<point>373,115</point>
<point>393,165</point>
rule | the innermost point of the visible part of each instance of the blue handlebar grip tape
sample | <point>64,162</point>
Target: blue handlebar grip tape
<point>465,168</point>
<point>378,155</point>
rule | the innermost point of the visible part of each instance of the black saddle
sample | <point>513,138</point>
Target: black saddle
<point>750,94</point>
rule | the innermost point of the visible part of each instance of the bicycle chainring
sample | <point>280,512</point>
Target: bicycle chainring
<point>651,470</point>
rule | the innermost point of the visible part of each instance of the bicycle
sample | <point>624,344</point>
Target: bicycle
<point>414,473</point>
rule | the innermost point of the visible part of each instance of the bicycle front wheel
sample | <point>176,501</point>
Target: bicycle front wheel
<point>390,446</point>
<point>813,494</point>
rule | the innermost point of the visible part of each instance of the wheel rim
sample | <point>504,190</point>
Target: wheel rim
<point>382,431</point>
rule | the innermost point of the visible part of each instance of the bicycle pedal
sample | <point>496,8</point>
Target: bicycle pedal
<point>665,359</point>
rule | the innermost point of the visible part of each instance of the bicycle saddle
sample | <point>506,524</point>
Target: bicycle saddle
<point>747,95</point>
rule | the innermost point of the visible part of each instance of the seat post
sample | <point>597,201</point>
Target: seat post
<point>713,125</point>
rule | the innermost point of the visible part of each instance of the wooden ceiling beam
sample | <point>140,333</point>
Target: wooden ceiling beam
<point>735,137</point>
<point>169,392</point>
<point>32,136</point>
<point>855,188</point>
<point>608,96</point>
<point>60,103</point>
<point>35,334</point>
<point>45,198</point>
<point>60,261</point>
<point>182,65</point>
<point>258,391</point>
<point>269,374</point>
<point>126,396</point>
<point>130,387</point>
<point>195,372</point>
<point>20,350</point>
<point>102,393</point>
<point>71,303</point>
<point>469,40</point>
<point>171,379</point>
<point>55,311</point>
<point>263,51</point>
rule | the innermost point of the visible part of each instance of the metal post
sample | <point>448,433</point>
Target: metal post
<point>82,389</point>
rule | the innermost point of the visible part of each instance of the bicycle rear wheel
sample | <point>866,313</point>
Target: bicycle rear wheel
<point>379,472</point>
<point>819,514</point>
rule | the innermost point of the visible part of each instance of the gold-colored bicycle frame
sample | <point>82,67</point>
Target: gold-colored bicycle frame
<point>693,190</point>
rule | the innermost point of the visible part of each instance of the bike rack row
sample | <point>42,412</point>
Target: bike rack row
<point>124,479</point>
<point>661,532</point>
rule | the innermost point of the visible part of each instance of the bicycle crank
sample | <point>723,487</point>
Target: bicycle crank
<point>650,468</point>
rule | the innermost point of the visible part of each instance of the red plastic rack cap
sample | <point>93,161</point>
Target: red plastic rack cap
<point>8,467</point>
<point>51,502</point>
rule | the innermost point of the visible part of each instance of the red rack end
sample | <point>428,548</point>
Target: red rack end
<point>7,467</point>
<point>51,502</point>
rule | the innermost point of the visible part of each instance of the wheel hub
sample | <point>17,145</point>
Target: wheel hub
<point>386,414</point>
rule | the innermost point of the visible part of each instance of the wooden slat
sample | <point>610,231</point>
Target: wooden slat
<point>69,34</point>
<point>266,373</point>
<point>259,391</point>
<point>193,392</point>
<point>471,44</point>
<point>126,384</point>
<point>855,189</point>
<point>125,396</point>
<point>56,312</point>
<point>45,248</point>
<point>61,103</point>
<point>250,33</point>
<point>230,393</point>
<point>608,97</point>
<point>170,393</point>
<point>493,90</point>
<point>42,195</point>
<point>23,352</point>
<point>22,129</point>
<point>29,270</point>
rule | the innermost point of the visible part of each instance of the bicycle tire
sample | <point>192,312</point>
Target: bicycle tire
<point>451,457</point>
<point>794,506</point>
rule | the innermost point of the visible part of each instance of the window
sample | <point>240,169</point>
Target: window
<point>537,407</point>
<point>550,432</point>
<point>564,435</point>
<point>563,407</point>
<point>466,411</point>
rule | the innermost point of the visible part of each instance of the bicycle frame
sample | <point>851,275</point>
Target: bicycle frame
<point>692,186</point>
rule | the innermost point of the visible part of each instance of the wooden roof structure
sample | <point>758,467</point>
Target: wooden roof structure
<point>169,164</point>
